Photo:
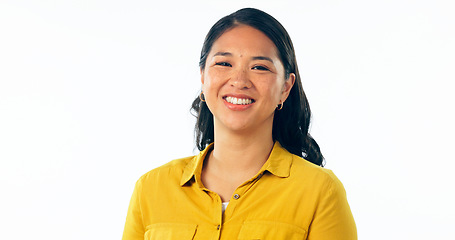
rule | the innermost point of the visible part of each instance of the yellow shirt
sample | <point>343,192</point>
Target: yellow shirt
<point>289,198</point>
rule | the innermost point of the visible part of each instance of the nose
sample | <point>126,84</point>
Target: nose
<point>240,79</point>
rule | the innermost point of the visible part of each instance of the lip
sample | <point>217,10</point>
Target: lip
<point>238,107</point>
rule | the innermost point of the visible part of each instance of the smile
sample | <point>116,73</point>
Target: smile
<point>239,101</point>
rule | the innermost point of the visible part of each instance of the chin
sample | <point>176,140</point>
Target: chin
<point>237,127</point>
<point>235,124</point>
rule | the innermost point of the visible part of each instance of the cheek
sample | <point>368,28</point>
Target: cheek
<point>212,81</point>
<point>207,82</point>
<point>273,89</point>
<point>209,88</point>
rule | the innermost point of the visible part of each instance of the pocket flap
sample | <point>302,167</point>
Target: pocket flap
<point>270,230</point>
<point>170,231</point>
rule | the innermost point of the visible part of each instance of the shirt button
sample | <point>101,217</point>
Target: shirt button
<point>236,196</point>
<point>218,227</point>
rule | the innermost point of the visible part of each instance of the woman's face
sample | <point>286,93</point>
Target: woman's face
<point>244,80</point>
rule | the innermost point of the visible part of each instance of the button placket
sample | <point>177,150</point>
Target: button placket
<point>219,214</point>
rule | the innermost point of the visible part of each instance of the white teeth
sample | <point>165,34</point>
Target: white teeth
<point>238,101</point>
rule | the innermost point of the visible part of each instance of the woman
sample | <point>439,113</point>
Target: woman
<point>250,180</point>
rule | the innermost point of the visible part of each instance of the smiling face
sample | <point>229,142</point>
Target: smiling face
<point>244,80</point>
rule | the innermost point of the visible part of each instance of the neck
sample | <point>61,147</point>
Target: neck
<point>242,152</point>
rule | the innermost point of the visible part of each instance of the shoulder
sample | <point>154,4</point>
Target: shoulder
<point>308,173</point>
<point>331,214</point>
<point>167,173</point>
<point>302,167</point>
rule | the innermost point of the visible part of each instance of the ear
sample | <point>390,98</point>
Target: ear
<point>202,75</point>
<point>287,87</point>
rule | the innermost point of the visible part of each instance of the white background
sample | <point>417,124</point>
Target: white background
<point>93,94</point>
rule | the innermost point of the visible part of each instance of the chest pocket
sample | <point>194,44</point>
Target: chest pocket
<point>269,230</point>
<point>170,231</point>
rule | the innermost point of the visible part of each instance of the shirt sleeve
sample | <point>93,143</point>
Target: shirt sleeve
<point>333,218</point>
<point>134,227</point>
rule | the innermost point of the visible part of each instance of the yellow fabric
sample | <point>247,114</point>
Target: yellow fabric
<point>290,198</point>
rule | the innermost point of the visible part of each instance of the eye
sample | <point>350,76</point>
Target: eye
<point>261,68</point>
<point>224,64</point>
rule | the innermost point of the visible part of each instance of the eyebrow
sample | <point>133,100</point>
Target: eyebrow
<point>222,54</point>
<point>262,58</point>
<point>253,58</point>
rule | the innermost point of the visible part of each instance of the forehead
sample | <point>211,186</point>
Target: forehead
<point>244,40</point>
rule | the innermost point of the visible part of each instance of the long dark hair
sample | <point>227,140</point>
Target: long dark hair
<point>291,124</point>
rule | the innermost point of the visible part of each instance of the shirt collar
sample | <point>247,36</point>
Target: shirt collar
<point>194,166</point>
<point>279,164</point>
